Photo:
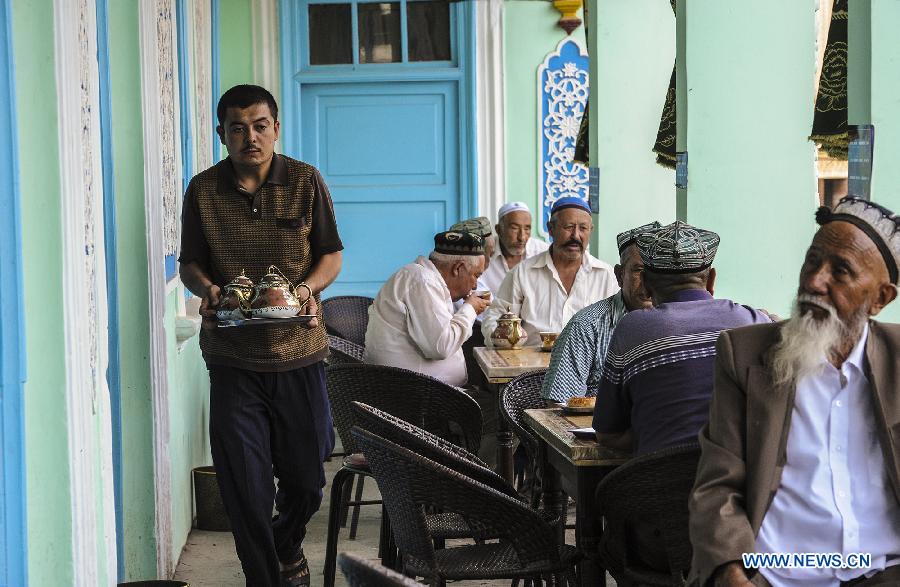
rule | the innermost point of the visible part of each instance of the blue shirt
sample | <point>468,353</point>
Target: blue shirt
<point>578,353</point>
<point>657,377</point>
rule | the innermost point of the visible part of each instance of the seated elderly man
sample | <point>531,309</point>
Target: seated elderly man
<point>801,453</point>
<point>658,373</point>
<point>578,353</point>
<point>412,323</point>
<point>515,244</point>
<point>547,289</point>
<point>482,227</point>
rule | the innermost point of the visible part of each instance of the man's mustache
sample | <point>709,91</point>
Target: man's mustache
<point>574,242</point>
<point>818,302</point>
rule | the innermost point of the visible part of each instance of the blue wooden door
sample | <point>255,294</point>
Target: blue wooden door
<point>388,152</point>
<point>383,104</point>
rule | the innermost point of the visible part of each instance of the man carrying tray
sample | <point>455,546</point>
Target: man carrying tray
<point>269,409</point>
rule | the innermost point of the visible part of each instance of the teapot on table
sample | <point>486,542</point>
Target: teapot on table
<point>275,297</point>
<point>509,333</point>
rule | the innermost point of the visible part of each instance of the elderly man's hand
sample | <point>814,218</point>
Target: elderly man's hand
<point>731,575</point>
<point>208,305</point>
<point>479,303</point>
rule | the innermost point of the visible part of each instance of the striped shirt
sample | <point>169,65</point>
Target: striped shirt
<point>578,353</point>
<point>657,378</point>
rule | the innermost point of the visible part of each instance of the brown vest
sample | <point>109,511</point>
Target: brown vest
<point>242,241</point>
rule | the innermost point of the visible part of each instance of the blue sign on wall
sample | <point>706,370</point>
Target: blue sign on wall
<point>562,94</point>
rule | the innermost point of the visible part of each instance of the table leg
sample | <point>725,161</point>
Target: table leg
<point>505,442</point>
<point>555,499</point>
<point>589,526</point>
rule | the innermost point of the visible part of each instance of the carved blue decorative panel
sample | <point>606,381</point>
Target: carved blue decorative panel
<point>562,96</point>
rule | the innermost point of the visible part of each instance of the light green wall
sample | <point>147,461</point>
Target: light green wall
<point>188,423</point>
<point>632,53</point>
<point>46,439</point>
<point>235,43</point>
<point>885,112</point>
<point>751,172</point>
<point>530,33</point>
<point>131,265</point>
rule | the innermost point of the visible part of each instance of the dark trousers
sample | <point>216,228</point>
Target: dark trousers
<point>261,426</point>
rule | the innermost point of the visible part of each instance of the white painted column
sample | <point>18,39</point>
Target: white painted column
<point>264,20</point>
<point>162,189</point>
<point>84,294</point>
<point>491,110</point>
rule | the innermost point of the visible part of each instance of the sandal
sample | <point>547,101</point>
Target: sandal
<point>296,573</point>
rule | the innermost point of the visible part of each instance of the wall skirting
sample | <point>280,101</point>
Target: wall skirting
<point>84,293</point>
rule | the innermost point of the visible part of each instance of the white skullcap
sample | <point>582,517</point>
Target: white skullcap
<point>513,207</point>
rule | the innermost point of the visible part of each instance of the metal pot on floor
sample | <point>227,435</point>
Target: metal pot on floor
<point>208,501</point>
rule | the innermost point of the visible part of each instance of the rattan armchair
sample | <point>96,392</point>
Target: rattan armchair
<point>363,573</point>
<point>347,317</point>
<point>645,507</point>
<point>344,351</point>
<point>411,484</point>
<point>520,394</point>
<point>424,401</point>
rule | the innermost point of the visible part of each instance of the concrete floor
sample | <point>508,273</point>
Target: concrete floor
<point>209,559</point>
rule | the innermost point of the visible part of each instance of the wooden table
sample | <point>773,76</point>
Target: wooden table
<point>500,366</point>
<point>574,467</point>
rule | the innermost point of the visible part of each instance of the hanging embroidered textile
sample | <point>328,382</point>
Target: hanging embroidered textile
<point>665,136</point>
<point>830,118</point>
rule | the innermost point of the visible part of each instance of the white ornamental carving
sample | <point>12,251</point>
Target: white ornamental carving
<point>169,183</point>
<point>562,96</point>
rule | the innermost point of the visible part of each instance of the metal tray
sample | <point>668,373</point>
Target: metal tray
<point>301,319</point>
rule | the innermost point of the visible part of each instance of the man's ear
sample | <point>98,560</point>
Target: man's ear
<point>711,281</point>
<point>458,267</point>
<point>277,128</point>
<point>221,132</point>
<point>887,293</point>
<point>617,270</point>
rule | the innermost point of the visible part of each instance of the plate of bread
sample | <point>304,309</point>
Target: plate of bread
<point>579,405</point>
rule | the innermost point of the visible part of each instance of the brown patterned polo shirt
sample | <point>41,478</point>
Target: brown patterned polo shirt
<point>289,222</point>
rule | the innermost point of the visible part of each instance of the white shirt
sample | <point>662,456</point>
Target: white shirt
<point>533,290</point>
<point>412,325</point>
<point>835,496</point>
<point>498,268</point>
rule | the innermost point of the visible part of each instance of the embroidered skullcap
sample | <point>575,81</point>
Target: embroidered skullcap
<point>513,207</point>
<point>457,242</point>
<point>677,248</point>
<point>880,224</point>
<point>480,226</point>
<point>569,202</point>
<point>626,239</point>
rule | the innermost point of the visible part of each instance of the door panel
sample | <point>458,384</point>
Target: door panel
<point>389,154</point>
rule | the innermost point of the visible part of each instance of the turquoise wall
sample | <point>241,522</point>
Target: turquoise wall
<point>632,54</point>
<point>530,33</point>
<point>46,425</point>
<point>751,167</point>
<point>188,423</point>
<point>134,336</point>
<point>884,109</point>
<point>236,43</point>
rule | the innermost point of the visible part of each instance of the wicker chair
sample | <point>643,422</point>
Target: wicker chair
<point>649,493</point>
<point>411,483</point>
<point>344,351</point>
<point>363,573</point>
<point>347,317</point>
<point>416,398</point>
<point>520,394</point>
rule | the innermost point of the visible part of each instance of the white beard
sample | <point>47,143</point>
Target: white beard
<point>806,340</point>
